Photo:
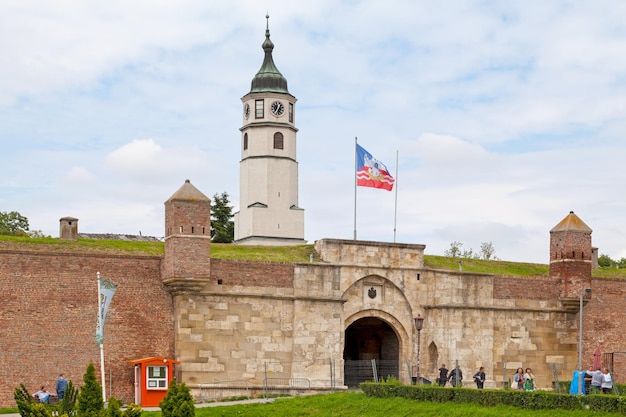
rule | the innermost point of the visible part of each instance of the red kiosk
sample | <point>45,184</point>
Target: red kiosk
<point>152,379</point>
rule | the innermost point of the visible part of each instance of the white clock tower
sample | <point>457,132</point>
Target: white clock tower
<point>268,197</point>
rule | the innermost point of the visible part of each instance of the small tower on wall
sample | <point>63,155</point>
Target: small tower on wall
<point>268,199</point>
<point>571,257</point>
<point>187,234</point>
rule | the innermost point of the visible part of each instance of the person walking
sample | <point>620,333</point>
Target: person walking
<point>479,378</point>
<point>518,379</point>
<point>607,381</point>
<point>60,386</point>
<point>529,380</point>
<point>596,381</point>
<point>443,375</point>
<point>456,377</point>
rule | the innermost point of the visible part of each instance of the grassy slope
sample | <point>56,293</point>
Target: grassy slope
<point>299,253</point>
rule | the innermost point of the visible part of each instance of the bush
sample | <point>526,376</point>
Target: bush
<point>90,401</point>
<point>178,402</point>
<point>133,410</point>
<point>530,400</point>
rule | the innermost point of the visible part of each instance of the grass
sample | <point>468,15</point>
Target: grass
<point>356,404</point>
<point>298,253</point>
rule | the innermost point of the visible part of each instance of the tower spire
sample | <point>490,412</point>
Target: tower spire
<point>269,78</point>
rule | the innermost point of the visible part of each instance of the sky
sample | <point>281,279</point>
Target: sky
<point>502,116</point>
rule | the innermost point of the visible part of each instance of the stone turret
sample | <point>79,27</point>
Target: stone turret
<point>571,256</point>
<point>187,234</point>
<point>68,229</point>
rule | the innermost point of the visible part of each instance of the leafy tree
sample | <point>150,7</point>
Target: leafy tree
<point>90,401</point>
<point>222,226</point>
<point>487,251</point>
<point>13,224</point>
<point>178,402</point>
<point>454,251</point>
<point>605,261</point>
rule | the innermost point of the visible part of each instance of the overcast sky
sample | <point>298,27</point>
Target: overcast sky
<point>505,115</point>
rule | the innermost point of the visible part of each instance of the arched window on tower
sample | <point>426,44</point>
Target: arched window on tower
<point>278,140</point>
<point>245,141</point>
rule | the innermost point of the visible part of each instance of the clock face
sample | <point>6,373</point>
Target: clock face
<point>277,108</point>
<point>246,110</point>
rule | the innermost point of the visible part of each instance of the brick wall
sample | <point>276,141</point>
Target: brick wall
<point>49,311</point>
<point>529,288</point>
<point>251,273</point>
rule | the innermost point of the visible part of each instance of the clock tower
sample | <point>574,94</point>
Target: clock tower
<point>268,186</point>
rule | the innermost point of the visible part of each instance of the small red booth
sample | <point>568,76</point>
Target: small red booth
<point>152,379</point>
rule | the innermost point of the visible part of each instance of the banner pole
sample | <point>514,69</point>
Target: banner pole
<point>102,376</point>
<point>356,168</point>
<point>395,209</point>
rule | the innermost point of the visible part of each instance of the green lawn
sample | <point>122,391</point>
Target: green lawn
<point>354,404</point>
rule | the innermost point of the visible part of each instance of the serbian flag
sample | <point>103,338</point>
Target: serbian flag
<point>371,172</point>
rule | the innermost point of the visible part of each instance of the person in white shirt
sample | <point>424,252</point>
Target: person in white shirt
<point>42,395</point>
<point>607,381</point>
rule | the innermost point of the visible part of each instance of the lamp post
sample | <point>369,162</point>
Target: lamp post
<point>419,324</point>
<point>580,342</point>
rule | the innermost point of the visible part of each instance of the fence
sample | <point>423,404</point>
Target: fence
<point>216,391</point>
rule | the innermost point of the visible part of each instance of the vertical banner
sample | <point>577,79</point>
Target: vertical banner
<point>106,290</point>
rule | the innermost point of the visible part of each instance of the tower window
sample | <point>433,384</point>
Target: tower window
<point>245,141</point>
<point>291,112</point>
<point>278,141</point>
<point>258,105</point>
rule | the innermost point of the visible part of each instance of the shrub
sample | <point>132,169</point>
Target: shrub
<point>23,400</point>
<point>178,402</point>
<point>90,401</point>
<point>133,410</point>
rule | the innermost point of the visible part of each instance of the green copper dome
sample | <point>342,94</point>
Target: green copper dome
<point>268,79</point>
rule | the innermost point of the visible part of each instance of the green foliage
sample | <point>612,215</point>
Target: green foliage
<point>133,410</point>
<point>90,401</point>
<point>113,410</point>
<point>606,262</point>
<point>13,224</point>
<point>178,401</point>
<point>529,400</point>
<point>222,225</point>
<point>24,401</point>
<point>67,405</point>
<point>40,410</point>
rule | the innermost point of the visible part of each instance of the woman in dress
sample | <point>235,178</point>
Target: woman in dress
<point>518,379</point>
<point>529,380</point>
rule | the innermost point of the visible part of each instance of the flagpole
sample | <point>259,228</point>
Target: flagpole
<point>395,209</point>
<point>102,376</point>
<point>356,168</point>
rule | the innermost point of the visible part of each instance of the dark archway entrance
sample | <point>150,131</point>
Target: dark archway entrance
<point>366,339</point>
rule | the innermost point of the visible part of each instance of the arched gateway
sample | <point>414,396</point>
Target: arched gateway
<point>370,342</point>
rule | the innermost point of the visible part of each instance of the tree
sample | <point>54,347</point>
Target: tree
<point>178,401</point>
<point>222,226</point>
<point>454,251</point>
<point>487,250</point>
<point>13,224</point>
<point>90,401</point>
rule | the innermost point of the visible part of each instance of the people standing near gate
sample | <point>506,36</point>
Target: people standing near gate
<point>529,380</point>
<point>607,381</point>
<point>596,381</point>
<point>443,375</point>
<point>479,378</point>
<point>60,386</point>
<point>456,377</point>
<point>518,379</point>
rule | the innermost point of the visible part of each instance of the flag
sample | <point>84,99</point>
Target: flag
<point>106,291</point>
<point>371,172</point>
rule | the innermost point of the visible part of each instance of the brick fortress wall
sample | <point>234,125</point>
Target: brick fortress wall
<point>49,313</point>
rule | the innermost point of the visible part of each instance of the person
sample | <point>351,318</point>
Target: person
<point>529,380</point>
<point>518,379</point>
<point>60,387</point>
<point>479,378</point>
<point>42,395</point>
<point>596,381</point>
<point>443,375</point>
<point>456,377</point>
<point>607,381</point>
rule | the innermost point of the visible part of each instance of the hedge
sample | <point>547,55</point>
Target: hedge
<point>530,400</point>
